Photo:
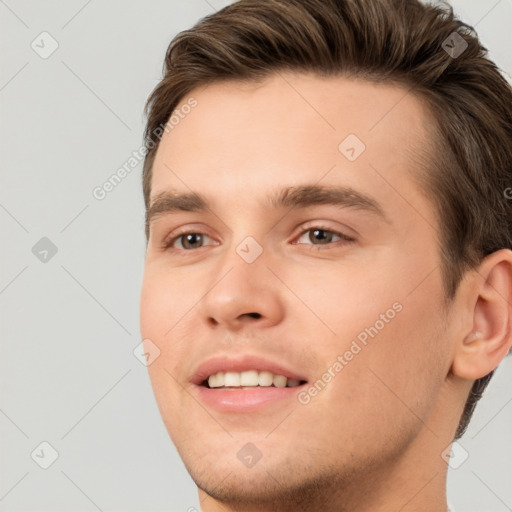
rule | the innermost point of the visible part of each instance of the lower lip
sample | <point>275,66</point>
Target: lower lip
<point>245,400</point>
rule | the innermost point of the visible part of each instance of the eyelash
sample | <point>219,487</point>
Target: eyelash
<point>344,238</point>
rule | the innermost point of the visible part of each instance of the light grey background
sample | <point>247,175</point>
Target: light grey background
<point>69,325</point>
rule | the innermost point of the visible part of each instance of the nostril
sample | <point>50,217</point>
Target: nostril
<point>254,315</point>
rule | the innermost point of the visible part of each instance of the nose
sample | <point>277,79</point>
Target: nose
<point>243,294</point>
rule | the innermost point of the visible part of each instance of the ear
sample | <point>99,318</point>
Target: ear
<point>487,342</point>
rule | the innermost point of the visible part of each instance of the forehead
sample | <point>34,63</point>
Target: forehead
<point>242,140</point>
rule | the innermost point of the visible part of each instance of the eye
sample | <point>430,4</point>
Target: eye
<point>187,241</point>
<point>318,236</point>
<point>315,236</point>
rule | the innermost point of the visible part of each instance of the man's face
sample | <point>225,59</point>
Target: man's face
<point>279,282</point>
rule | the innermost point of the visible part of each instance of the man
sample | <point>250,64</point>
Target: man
<point>328,275</point>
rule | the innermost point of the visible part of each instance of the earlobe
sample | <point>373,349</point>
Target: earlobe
<point>489,339</point>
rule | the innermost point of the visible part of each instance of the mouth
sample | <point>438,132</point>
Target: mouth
<point>245,384</point>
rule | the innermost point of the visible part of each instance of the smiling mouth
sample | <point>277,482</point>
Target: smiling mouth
<point>251,379</point>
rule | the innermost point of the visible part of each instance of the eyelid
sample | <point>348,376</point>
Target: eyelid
<point>172,237</point>
<point>178,237</point>
<point>322,226</point>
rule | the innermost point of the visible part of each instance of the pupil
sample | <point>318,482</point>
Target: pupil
<point>191,240</point>
<point>321,235</point>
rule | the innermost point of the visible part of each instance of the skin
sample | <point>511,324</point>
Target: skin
<point>372,439</point>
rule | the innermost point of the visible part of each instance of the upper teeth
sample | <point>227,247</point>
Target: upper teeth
<point>249,378</point>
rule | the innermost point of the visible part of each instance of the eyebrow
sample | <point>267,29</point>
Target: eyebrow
<point>302,196</point>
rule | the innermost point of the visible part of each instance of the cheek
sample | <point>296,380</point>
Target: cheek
<point>350,301</point>
<point>161,302</point>
<point>152,307</point>
<point>167,302</point>
<point>393,349</point>
<point>402,368</point>
<point>160,310</point>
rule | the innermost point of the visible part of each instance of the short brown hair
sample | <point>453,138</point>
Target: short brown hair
<point>424,48</point>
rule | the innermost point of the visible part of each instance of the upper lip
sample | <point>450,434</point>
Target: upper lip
<point>240,363</point>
